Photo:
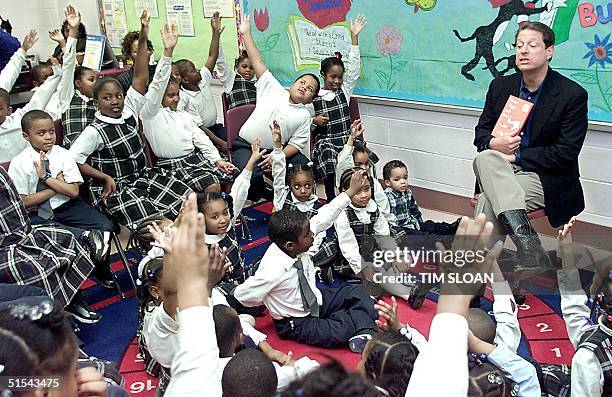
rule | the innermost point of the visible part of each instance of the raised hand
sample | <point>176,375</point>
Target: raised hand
<point>72,17</point>
<point>245,25</point>
<point>144,19</point>
<point>389,314</point>
<point>358,181</point>
<point>90,382</point>
<point>161,238</point>
<point>215,23</point>
<point>217,266</point>
<point>191,257</point>
<point>29,40</point>
<point>357,25</point>
<point>275,129</point>
<point>56,36</point>
<point>170,35</point>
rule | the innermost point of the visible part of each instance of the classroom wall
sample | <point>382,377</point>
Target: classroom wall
<point>45,15</point>
<point>437,148</point>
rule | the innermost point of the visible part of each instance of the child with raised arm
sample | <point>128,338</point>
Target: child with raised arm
<point>111,152</point>
<point>355,154</point>
<point>10,73</point>
<point>294,186</point>
<point>60,100</point>
<point>591,374</point>
<point>11,139</point>
<point>196,96</point>
<point>333,118</point>
<point>238,84</point>
<point>274,103</point>
<point>182,149</point>
<point>285,283</point>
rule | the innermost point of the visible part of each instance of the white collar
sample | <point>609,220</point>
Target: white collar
<point>370,207</point>
<point>286,261</point>
<point>112,120</point>
<point>36,155</point>
<point>214,238</point>
<point>83,97</point>
<point>603,327</point>
<point>311,200</point>
<point>328,95</point>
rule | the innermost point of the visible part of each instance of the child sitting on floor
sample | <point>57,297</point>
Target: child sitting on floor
<point>230,340</point>
<point>158,335</point>
<point>196,96</point>
<point>110,151</point>
<point>48,179</point>
<point>285,283</point>
<point>37,340</point>
<point>591,373</point>
<point>361,230</point>
<point>405,209</point>
<point>295,189</point>
<point>182,149</point>
<point>238,84</point>
<point>355,154</point>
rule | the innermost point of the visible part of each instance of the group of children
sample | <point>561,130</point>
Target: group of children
<point>55,234</point>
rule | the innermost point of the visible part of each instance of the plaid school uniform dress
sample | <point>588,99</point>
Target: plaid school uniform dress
<point>194,170</point>
<point>243,93</point>
<point>600,343</point>
<point>364,233</point>
<point>237,272</point>
<point>80,114</point>
<point>141,192</point>
<point>42,256</point>
<point>556,380</point>
<point>330,139</point>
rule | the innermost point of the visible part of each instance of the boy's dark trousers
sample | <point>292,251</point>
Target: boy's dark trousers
<point>76,216</point>
<point>345,312</point>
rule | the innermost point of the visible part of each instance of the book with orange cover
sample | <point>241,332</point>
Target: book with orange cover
<point>513,117</point>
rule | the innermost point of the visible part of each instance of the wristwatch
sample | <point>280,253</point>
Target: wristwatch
<point>47,176</point>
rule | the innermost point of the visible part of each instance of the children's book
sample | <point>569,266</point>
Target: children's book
<point>512,118</point>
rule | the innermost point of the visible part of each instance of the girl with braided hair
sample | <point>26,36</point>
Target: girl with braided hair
<point>387,360</point>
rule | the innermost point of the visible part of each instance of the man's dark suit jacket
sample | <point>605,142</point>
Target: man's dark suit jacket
<point>558,130</point>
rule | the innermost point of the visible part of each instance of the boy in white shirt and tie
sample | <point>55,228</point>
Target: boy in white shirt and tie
<point>285,283</point>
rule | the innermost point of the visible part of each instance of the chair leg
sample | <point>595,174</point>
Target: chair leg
<point>123,258</point>
<point>245,227</point>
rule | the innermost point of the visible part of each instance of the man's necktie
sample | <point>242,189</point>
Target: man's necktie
<point>309,299</point>
<point>44,208</point>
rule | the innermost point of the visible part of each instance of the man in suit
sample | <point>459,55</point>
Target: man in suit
<point>539,167</point>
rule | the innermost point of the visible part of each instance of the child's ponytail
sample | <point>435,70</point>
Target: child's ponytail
<point>293,169</point>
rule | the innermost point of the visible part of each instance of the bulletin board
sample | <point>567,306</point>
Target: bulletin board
<point>192,48</point>
<point>436,51</point>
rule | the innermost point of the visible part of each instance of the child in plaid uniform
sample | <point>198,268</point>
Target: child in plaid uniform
<point>331,107</point>
<point>196,96</point>
<point>409,220</point>
<point>238,84</point>
<point>295,189</point>
<point>361,230</point>
<point>81,110</point>
<point>182,149</point>
<point>130,191</point>
<point>591,371</point>
<point>42,256</point>
<point>355,154</point>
